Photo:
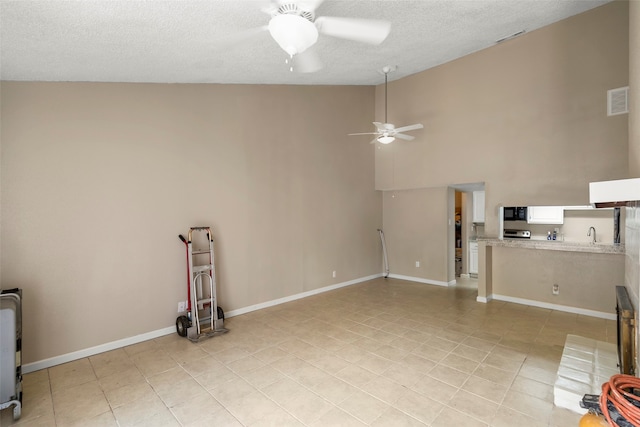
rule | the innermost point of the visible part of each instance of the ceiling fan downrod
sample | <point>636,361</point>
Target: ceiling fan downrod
<point>385,96</point>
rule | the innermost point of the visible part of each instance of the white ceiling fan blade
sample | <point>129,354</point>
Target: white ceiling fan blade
<point>307,61</point>
<point>410,127</point>
<point>361,30</point>
<point>269,7</point>
<point>373,141</point>
<point>237,38</point>
<point>363,133</point>
<point>405,137</point>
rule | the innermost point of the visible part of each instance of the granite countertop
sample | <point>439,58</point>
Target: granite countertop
<point>554,245</point>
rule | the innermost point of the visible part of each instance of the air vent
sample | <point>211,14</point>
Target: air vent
<point>618,101</point>
<point>512,36</point>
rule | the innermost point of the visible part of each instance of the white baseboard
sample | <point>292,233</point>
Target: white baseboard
<point>278,301</point>
<point>465,276</point>
<point>483,299</point>
<point>421,280</point>
<point>113,345</point>
<point>565,308</point>
<point>91,351</point>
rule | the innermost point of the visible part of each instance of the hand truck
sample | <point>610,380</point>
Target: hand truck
<point>205,318</point>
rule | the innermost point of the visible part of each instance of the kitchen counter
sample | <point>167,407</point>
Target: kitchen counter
<point>554,245</point>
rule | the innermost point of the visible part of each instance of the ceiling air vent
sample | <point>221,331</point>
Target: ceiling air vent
<point>512,36</point>
<point>618,101</point>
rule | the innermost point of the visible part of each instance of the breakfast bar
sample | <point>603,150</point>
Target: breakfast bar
<point>575,277</point>
<point>555,245</point>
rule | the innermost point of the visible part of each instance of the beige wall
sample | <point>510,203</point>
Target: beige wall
<point>586,280</point>
<point>98,180</point>
<point>526,117</point>
<point>411,226</point>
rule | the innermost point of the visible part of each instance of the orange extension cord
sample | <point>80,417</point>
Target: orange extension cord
<point>618,392</point>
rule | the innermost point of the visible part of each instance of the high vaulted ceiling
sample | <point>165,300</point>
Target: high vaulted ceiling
<point>179,41</point>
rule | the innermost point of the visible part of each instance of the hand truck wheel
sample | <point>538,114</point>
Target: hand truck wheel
<point>182,324</point>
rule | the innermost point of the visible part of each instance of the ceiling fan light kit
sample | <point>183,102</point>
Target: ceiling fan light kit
<point>293,25</point>
<point>293,33</point>
<point>386,139</point>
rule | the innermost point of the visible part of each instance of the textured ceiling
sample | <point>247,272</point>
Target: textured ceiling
<point>178,41</point>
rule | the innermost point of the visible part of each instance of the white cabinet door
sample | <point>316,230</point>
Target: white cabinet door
<point>545,215</point>
<point>473,258</point>
<point>478,206</point>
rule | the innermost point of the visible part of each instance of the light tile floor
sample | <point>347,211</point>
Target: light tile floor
<point>381,353</point>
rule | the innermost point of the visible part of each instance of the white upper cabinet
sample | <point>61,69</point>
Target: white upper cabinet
<point>478,206</point>
<point>545,214</point>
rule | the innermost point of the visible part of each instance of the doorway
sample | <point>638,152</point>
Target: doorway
<point>457,217</point>
<point>466,228</point>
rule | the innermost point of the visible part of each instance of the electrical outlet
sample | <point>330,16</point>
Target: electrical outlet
<point>417,264</point>
<point>334,274</point>
<point>555,289</point>
<point>182,306</point>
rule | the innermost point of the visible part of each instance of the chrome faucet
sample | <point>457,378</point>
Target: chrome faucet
<point>594,234</point>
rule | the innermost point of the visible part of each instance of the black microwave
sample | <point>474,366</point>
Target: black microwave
<point>515,213</point>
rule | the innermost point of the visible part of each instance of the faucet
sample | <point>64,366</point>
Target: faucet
<point>594,234</point>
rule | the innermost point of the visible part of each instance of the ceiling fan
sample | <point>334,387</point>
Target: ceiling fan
<point>295,27</point>
<point>387,132</point>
